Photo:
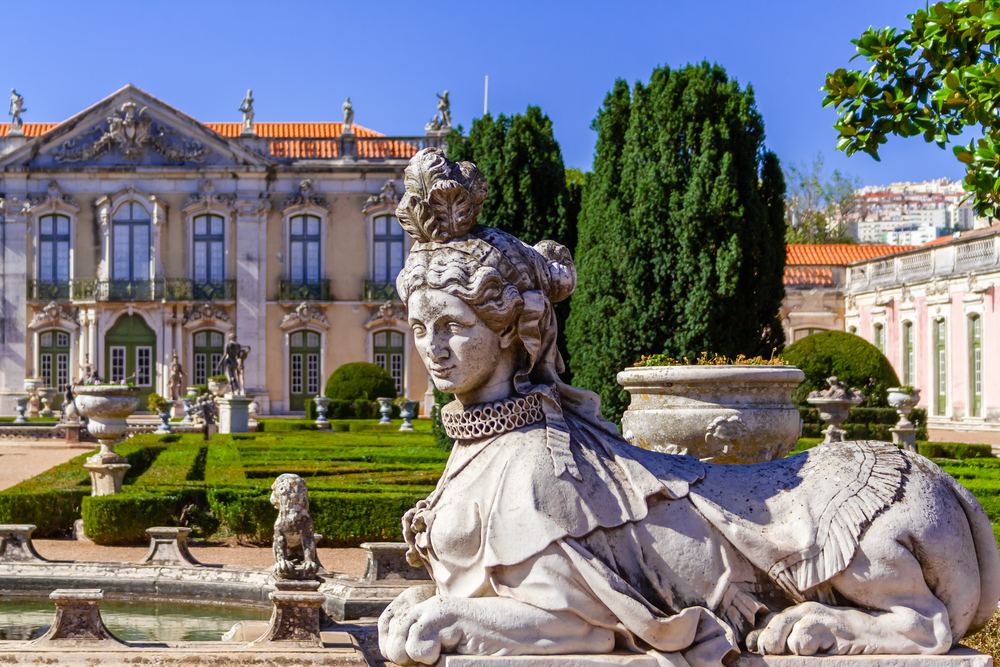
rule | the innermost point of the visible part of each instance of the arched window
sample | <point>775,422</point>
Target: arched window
<point>388,353</point>
<point>208,346</point>
<point>940,368</point>
<point>975,366</point>
<point>53,358</point>
<point>304,358</point>
<point>878,338</point>
<point>909,358</point>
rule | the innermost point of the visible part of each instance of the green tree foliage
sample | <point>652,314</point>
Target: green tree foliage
<point>681,245</point>
<point>851,358</point>
<point>531,193</point>
<point>360,380</point>
<point>934,78</point>
<point>820,210</point>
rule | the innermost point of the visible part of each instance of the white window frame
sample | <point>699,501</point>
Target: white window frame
<point>324,221</point>
<point>52,207</point>
<point>108,205</point>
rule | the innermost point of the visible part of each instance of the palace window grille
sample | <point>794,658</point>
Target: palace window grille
<point>130,243</point>
<point>304,250</point>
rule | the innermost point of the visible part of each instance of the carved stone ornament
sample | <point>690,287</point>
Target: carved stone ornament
<point>131,132</point>
<point>938,287</point>
<point>387,315</point>
<point>252,210</point>
<point>387,198</point>
<point>851,302</point>
<point>304,314</point>
<point>205,313</point>
<point>207,195</point>
<point>54,197</point>
<point>52,315</point>
<point>881,299</point>
<point>723,432</point>
<point>305,197</point>
<point>906,295</point>
<point>558,537</point>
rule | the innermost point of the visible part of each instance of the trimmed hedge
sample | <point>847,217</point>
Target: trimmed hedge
<point>360,380</point>
<point>52,512</point>
<point>851,358</point>
<point>954,450</point>
<point>123,518</point>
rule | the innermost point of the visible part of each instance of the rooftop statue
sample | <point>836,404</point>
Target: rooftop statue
<point>15,109</point>
<point>348,110</point>
<point>246,108</point>
<point>550,534</point>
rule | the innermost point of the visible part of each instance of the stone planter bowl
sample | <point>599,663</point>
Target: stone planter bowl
<point>107,407</point>
<point>720,414</point>
<point>33,384</point>
<point>218,388</point>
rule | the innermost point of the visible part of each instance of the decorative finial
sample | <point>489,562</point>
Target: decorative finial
<point>442,199</point>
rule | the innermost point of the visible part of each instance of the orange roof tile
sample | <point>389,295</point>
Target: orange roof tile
<point>291,140</point>
<point>30,129</point>
<point>838,254</point>
<point>811,275</point>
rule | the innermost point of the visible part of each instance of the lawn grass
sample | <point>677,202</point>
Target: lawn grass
<point>988,639</point>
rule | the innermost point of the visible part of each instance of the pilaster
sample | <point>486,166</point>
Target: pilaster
<point>13,301</point>
<point>251,273</point>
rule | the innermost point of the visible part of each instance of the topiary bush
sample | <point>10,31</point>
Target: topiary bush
<point>360,380</point>
<point>852,359</point>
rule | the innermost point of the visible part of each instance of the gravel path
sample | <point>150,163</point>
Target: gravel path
<point>20,460</point>
<point>346,561</point>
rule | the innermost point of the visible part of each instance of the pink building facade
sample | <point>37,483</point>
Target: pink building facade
<point>932,311</point>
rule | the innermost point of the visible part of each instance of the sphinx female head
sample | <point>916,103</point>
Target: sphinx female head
<point>467,287</point>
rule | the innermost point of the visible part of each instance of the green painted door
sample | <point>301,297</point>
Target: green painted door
<point>53,361</point>
<point>940,368</point>
<point>303,357</point>
<point>976,365</point>
<point>207,354</point>
<point>130,354</point>
<point>388,353</point>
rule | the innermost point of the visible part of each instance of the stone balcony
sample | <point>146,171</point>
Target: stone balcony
<point>161,289</point>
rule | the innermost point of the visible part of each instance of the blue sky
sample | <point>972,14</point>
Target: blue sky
<point>303,58</point>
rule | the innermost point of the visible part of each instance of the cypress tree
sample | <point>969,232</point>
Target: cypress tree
<point>681,238</point>
<point>531,195</point>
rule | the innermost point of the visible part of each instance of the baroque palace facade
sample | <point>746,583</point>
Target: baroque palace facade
<point>132,232</point>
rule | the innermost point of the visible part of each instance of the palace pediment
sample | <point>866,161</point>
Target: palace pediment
<point>131,128</point>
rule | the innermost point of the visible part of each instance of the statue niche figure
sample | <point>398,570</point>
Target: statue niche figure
<point>549,534</point>
<point>294,541</point>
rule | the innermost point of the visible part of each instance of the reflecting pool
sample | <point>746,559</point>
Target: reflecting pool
<point>29,618</point>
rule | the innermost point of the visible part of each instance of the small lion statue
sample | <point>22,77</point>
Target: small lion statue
<point>294,540</point>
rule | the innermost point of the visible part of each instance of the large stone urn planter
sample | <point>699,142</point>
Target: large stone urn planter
<point>107,408</point>
<point>720,414</point>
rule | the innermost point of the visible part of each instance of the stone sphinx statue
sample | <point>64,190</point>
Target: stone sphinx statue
<point>294,540</point>
<point>549,534</point>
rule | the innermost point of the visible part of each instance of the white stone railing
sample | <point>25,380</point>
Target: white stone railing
<point>920,265</point>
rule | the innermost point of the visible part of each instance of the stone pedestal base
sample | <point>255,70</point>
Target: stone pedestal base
<point>960,657</point>
<point>905,438</point>
<point>107,470</point>
<point>387,574</point>
<point>78,620</point>
<point>168,546</point>
<point>234,414</point>
<point>295,621</point>
<point>15,544</point>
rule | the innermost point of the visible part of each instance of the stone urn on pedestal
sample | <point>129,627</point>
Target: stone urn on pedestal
<point>834,404</point>
<point>903,399</point>
<point>47,395</point>
<point>32,386</point>
<point>322,405</point>
<point>385,407</point>
<point>408,412</point>
<point>107,407</point>
<point>21,405</point>
<point>721,414</point>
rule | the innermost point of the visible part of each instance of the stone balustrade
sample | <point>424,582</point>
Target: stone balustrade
<point>945,261</point>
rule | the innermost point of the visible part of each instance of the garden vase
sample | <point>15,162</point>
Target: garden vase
<point>408,413</point>
<point>218,388</point>
<point>47,395</point>
<point>834,412</point>
<point>107,407</point>
<point>322,405</point>
<point>385,407</point>
<point>721,414</point>
<point>903,401</point>
<point>164,427</point>
<point>32,385</point>
<point>21,405</point>
<point>189,409</point>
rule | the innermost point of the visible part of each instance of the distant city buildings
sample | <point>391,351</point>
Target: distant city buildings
<point>914,213</point>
